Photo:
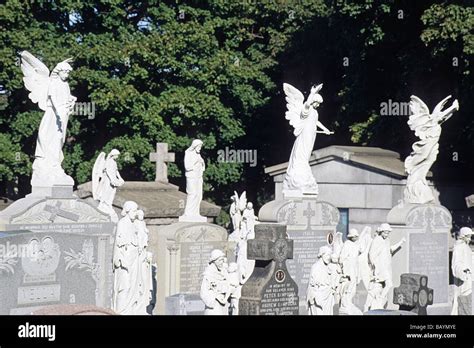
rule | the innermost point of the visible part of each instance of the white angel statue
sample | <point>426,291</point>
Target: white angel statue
<point>52,94</point>
<point>427,127</point>
<point>105,180</point>
<point>304,118</point>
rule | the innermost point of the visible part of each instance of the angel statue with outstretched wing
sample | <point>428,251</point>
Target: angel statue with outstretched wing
<point>427,128</point>
<point>52,94</point>
<point>304,118</point>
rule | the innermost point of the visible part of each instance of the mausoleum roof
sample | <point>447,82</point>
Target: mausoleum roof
<point>157,199</point>
<point>375,158</point>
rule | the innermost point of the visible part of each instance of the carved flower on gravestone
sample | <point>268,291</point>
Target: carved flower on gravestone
<point>83,259</point>
<point>7,262</point>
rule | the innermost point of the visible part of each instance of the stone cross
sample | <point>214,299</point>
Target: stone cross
<point>270,290</point>
<point>413,294</point>
<point>309,213</point>
<point>161,156</point>
<point>56,210</point>
<point>470,201</point>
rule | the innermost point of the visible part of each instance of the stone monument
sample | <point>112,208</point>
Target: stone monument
<point>182,249</point>
<point>270,289</point>
<point>311,223</point>
<point>413,294</point>
<point>71,239</point>
<point>425,224</point>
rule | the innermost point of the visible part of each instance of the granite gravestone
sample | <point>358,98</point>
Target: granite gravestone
<point>270,289</point>
<point>39,269</point>
<point>426,228</point>
<point>413,293</point>
<point>310,224</point>
<point>76,227</point>
<point>182,254</point>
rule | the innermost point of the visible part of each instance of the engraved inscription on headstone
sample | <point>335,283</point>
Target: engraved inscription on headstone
<point>270,289</point>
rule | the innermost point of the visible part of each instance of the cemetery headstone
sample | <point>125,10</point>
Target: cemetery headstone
<point>311,224</point>
<point>45,268</point>
<point>413,293</point>
<point>270,289</point>
<point>182,251</point>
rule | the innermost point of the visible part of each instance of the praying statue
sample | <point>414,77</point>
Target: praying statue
<point>194,166</point>
<point>322,286</point>
<point>215,286</point>
<point>126,258</point>
<point>105,180</point>
<point>52,94</point>
<point>427,128</point>
<point>304,118</point>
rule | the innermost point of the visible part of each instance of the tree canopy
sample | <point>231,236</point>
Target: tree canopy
<point>172,71</point>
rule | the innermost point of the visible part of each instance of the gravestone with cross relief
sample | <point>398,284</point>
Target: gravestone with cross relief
<point>413,294</point>
<point>426,228</point>
<point>310,224</point>
<point>270,289</point>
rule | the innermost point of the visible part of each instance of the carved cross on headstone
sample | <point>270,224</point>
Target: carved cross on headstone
<point>309,213</point>
<point>161,157</point>
<point>413,294</point>
<point>270,290</point>
<point>56,211</point>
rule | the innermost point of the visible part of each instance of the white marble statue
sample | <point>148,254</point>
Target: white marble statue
<point>52,94</point>
<point>304,118</point>
<point>380,261</point>
<point>145,263</point>
<point>461,266</point>
<point>105,180</point>
<point>126,259</point>
<point>427,128</point>
<point>235,288</point>
<point>249,219</point>
<point>349,261</point>
<point>334,266</point>
<point>215,287</point>
<point>194,166</point>
<point>236,209</point>
<point>322,286</point>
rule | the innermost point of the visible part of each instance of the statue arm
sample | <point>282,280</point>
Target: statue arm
<point>323,128</point>
<point>394,248</point>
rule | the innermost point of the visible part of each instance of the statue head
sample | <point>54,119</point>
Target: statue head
<point>62,69</point>
<point>130,209</point>
<point>140,214</point>
<point>384,230</point>
<point>325,253</point>
<point>249,205</point>
<point>465,234</point>
<point>196,146</point>
<point>114,154</point>
<point>218,258</point>
<point>353,234</point>
<point>232,267</point>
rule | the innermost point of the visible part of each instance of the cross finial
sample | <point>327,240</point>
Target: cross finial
<point>161,156</point>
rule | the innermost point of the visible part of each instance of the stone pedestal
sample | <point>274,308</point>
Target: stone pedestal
<point>270,289</point>
<point>64,229</point>
<point>310,224</point>
<point>181,252</point>
<point>426,228</point>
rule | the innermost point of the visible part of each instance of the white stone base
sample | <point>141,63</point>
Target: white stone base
<point>197,218</point>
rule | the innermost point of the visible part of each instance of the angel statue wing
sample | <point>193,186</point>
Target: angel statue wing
<point>294,104</point>
<point>36,78</point>
<point>420,120</point>
<point>337,245</point>
<point>364,241</point>
<point>242,202</point>
<point>97,173</point>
